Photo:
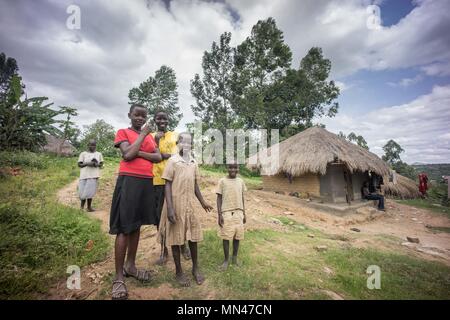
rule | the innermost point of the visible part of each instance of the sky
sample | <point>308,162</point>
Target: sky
<point>394,72</point>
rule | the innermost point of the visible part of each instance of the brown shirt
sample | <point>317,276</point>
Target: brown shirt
<point>232,191</point>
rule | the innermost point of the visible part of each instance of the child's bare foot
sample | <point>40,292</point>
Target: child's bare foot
<point>199,278</point>
<point>182,280</point>
<point>90,209</point>
<point>235,262</point>
<point>224,266</point>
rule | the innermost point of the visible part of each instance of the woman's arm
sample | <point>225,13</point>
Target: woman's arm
<point>219,210</point>
<point>199,196</point>
<point>168,195</point>
<point>130,151</point>
<point>153,156</point>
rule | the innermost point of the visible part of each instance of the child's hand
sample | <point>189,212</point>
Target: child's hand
<point>220,220</point>
<point>159,135</point>
<point>146,129</point>
<point>207,207</point>
<point>245,219</point>
<point>171,216</point>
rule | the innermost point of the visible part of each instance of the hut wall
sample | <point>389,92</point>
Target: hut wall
<point>308,184</point>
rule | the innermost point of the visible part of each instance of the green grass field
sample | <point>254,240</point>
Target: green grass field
<point>40,238</point>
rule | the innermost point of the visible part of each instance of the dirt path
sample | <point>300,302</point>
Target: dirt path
<point>385,231</point>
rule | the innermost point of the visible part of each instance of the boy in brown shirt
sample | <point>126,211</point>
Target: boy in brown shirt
<point>231,212</point>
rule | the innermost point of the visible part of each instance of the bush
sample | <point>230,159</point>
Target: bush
<point>23,159</point>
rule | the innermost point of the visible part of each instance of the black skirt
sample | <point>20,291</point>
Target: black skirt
<point>133,205</point>
<point>159,200</point>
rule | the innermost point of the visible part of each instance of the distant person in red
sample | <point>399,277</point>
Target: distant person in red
<point>423,184</point>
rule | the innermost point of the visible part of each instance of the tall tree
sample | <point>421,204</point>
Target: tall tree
<point>261,60</point>
<point>159,93</point>
<point>69,131</point>
<point>8,68</point>
<point>212,91</point>
<point>392,151</point>
<point>103,133</point>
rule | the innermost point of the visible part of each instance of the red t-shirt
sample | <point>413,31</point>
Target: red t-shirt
<point>138,167</point>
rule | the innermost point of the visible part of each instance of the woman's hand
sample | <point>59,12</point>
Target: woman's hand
<point>146,129</point>
<point>171,216</point>
<point>206,206</point>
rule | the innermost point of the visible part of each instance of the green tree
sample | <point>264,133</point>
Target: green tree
<point>8,68</point>
<point>392,151</point>
<point>104,134</point>
<point>212,91</point>
<point>69,131</point>
<point>159,93</point>
<point>260,61</point>
<point>25,122</point>
<point>358,139</point>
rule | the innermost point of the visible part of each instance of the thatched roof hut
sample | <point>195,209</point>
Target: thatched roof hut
<point>318,163</point>
<point>58,146</point>
<point>313,149</point>
<point>404,188</point>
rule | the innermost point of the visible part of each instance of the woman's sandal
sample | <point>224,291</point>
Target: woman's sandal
<point>141,275</point>
<point>117,292</point>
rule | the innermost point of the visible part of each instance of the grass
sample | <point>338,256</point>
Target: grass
<point>427,204</point>
<point>285,265</point>
<point>40,238</point>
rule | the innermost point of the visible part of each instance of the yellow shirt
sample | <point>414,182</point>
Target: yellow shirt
<point>167,144</point>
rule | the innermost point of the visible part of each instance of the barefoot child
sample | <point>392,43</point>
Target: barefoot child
<point>231,212</point>
<point>167,147</point>
<point>133,200</point>
<point>182,222</point>
<point>90,163</point>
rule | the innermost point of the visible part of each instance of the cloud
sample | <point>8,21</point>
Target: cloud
<point>119,45</point>
<point>406,82</point>
<point>421,127</point>
<point>437,69</point>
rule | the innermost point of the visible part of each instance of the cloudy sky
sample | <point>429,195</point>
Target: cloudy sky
<point>394,76</point>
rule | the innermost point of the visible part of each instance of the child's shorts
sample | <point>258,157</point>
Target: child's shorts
<point>233,225</point>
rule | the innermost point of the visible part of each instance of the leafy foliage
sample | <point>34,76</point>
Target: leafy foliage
<point>159,93</point>
<point>358,139</point>
<point>104,134</point>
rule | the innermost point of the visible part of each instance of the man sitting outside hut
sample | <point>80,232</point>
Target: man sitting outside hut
<point>373,196</point>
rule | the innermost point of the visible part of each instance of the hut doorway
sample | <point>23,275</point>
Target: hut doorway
<point>349,196</point>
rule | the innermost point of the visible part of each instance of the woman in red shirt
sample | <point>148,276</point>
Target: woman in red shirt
<point>133,200</point>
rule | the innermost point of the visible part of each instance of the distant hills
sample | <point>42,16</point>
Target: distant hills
<point>433,171</point>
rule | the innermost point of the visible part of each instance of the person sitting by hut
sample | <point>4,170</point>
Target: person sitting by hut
<point>372,196</point>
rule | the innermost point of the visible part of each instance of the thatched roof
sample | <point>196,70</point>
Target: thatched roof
<point>312,150</point>
<point>58,146</point>
<point>405,188</point>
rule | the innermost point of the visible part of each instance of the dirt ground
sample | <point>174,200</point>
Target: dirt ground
<point>385,231</point>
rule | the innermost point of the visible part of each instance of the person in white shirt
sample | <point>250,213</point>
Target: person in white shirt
<point>90,163</point>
